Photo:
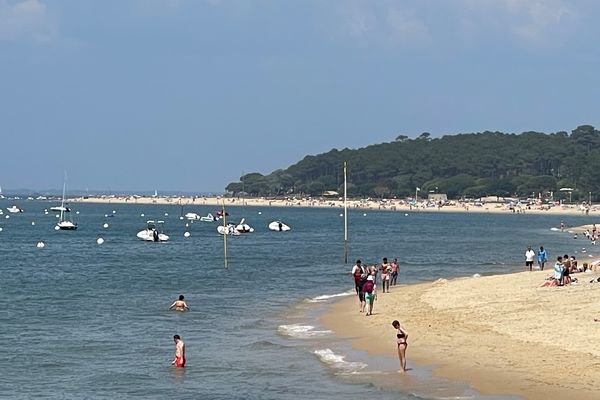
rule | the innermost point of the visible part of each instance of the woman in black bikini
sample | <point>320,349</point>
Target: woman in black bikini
<point>401,339</point>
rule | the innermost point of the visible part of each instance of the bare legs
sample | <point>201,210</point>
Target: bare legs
<point>402,356</point>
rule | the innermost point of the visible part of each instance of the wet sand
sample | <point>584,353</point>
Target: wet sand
<point>502,334</point>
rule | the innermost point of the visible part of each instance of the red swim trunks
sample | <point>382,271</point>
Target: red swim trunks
<point>179,362</point>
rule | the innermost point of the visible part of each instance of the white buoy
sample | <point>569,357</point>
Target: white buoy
<point>1,229</point>
<point>406,214</point>
<point>40,245</point>
<point>186,234</point>
<point>181,217</point>
<point>187,225</point>
<point>8,216</point>
<point>45,212</point>
<point>77,212</point>
<point>56,228</point>
<point>32,223</point>
<point>142,215</point>
<point>99,240</point>
<point>105,215</point>
<point>114,211</point>
<point>341,215</point>
<point>166,214</point>
<point>260,213</point>
<point>57,215</point>
<point>364,214</point>
<point>105,225</point>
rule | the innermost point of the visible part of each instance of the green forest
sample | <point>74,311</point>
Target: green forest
<point>462,165</point>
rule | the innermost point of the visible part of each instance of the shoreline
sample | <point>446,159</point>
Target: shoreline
<point>361,205</point>
<point>488,331</point>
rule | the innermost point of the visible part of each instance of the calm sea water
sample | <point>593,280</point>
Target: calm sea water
<point>82,320</point>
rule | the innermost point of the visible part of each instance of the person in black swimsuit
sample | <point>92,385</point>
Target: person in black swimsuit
<point>401,340</point>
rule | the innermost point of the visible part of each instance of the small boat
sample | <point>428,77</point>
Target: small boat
<point>208,218</point>
<point>243,227</point>
<point>14,209</point>
<point>228,230</point>
<point>279,226</point>
<point>60,208</point>
<point>153,232</point>
<point>64,223</point>
<point>192,216</point>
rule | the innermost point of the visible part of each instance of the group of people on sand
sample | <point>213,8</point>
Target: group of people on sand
<point>365,284</point>
<point>563,268</point>
<point>179,360</point>
<point>365,281</point>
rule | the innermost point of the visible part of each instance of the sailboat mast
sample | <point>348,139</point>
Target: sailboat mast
<point>345,217</point>
<point>62,203</point>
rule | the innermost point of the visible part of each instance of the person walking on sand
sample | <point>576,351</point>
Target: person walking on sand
<point>179,361</point>
<point>542,257</point>
<point>179,305</point>
<point>401,341</point>
<point>529,256</point>
<point>357,271</point>
<point>369,290</point>
<point>385,274</point>
<point>395,269</point>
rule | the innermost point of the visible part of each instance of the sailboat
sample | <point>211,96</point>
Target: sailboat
<point>64,223</point>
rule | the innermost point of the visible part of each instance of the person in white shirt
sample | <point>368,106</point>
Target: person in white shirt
<point>529,256</point>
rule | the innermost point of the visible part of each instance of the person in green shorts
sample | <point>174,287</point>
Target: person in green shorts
<point>369,290</point>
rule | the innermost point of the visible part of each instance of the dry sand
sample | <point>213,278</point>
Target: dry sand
<point>503,334</point>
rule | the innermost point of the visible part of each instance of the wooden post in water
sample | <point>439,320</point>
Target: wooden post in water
<point>345,218</point>
<point>224,235</point>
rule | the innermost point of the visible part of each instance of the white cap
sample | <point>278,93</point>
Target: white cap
<point>370,277</point>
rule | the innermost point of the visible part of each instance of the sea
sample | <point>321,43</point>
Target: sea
<point>83,320</point>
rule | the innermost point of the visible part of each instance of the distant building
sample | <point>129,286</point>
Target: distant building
<point>437,197</point>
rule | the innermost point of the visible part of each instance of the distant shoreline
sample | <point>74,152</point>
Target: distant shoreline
<point>389,205</point>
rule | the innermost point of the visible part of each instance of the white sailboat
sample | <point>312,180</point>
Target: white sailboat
<point>65,223</point>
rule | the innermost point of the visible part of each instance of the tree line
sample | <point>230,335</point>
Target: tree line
<point>463,165</point>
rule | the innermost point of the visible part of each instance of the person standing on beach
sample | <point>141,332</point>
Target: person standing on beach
<point>542,257</point>
<point>529,256</point>
<point>385,274</point>
<point>357,271</point>
<point>179,361</point>
<point>179,305</point>
<point>369,290</point>
<point>395,269</point>
<point>401,341</point>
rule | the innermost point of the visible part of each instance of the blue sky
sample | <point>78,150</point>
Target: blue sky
<point>188,95</point>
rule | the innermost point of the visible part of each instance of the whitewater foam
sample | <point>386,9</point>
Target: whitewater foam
<point>300,331</point>
<point>325,297</point>
<point>337,361</point>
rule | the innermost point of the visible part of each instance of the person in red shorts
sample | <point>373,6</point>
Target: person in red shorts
<point>179,360</point>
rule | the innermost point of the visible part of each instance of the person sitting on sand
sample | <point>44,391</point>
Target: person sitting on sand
<point>558,271</point>
<point>401,340</point>
<point>180,304</point>
<point>566,279</point>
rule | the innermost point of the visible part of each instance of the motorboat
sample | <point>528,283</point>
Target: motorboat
<point>279,226</point>
<point>208,218</point>
<point>243,227</point>
<point>60,208</point>
<point>14,209</point>
<point>230,229</point>
<point>192,216</point>
<point>153,232</point>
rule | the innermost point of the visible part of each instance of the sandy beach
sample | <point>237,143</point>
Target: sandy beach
<point>364,205</point>
<point>502,334</point>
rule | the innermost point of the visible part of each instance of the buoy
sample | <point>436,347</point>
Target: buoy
<point>341,215</point>
<point>142,215</point>
<point>40,245</point>
<point>105,225</point>
<point>100,241</point>
<point>260,213</point>
<point>364,214</point>
<point>8,216</point>
<point>186,234</point>
<point>77,212</point>
<point>406,214</point>
<point>56,228</point>
<point>105,215</point>
<point>114,211</point>
<point>1,229</point>
<point>166,214</point>
<point>181,217</point>
<point>32,223</point>
<point>45,212</point>
<point>57,216</point>
<point>187,225</point>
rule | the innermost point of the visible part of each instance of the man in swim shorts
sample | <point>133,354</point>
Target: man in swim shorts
<point>179,361</point>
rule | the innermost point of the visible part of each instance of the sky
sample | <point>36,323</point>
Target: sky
<point>188,95</point>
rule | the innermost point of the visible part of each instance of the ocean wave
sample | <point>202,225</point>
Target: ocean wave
<point>325,297</point>
<point>337,361</point>
<point>300,331</point>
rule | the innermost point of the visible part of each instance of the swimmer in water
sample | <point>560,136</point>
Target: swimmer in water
<point>179,361</point>
<point>179,305</point>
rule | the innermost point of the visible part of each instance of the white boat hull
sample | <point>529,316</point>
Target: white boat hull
<point>227,230</point>
<point>279,226</point>
<point>149,235</point>
<point>66,226</point>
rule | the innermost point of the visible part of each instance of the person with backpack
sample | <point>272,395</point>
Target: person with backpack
<point>369,291</point>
